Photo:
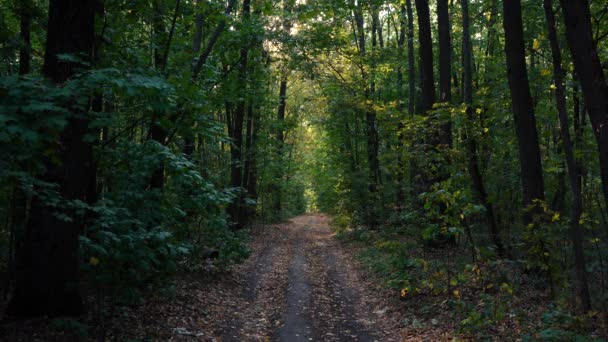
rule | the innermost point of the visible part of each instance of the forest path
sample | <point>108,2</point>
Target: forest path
<point>300,287</point>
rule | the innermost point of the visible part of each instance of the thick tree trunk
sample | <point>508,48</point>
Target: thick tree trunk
<point>473,165</point>
<point>47,276</point>
<point>425,55</point>
<point>445,52</point>
<point>575,186</point>
<point>523,110</point>
<point>591,76</point>
<point>427,85</point>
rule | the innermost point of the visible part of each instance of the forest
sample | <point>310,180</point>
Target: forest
<point>295,170</point>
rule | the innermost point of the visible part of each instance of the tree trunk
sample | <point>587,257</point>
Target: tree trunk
<point>473,165</point>
<point>591,76</point>
<point>523,110</point>
<point>411,68</point>
<point>235,208</point>
<point>278,205</point>
<point>577,202</point>
<point>24,34</point>
<point>427,85</point>
<point>47,276</point>
<point>445,52</point>
<point>425,55</point>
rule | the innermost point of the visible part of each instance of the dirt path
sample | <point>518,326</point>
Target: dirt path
<point>299,284</point>
<point>300,288</point>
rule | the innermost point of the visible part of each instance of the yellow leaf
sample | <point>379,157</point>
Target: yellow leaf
<point>552,87</point>
<point>403,292</point>
<point>457,294</point>
<point>535,44</point>
<point>555,217</point>
<point>486,130</point>
<point>94,261</point>
<point>545,72</point>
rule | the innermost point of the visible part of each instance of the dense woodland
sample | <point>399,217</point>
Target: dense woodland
<point>463,144</point>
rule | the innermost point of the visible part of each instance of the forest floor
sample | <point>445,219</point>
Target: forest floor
<point>300,284</point>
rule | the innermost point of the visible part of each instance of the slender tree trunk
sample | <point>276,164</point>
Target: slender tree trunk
<point>24,34</point>
<point>401,126</point>
<point>47,276</point>
<point>236,148</point>
<point>215,35</point>
<point>473,165</point>
<point>278,205</point>
<point>575,186</point>
<point>157,132</point>
<point>411,68</point>
<point>523,110</point>
<point>591,76</point>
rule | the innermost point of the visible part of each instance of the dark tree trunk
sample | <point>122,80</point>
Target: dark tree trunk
<point>47,276</point>
<point>373,143</point>
<point>473,165</point>
<point>215,35</point>
<point>427,85</point>
<point>445,51</point>
<point>411,69</point>
<point>575,185</point>
<point>236,132</point>
<point>24,34</point>
<point>591,76</point>
<point>370,117</point>
<point>157,132</point>
<point>401,144</point>
<point>523,110</point>
<point>198,28</point>
<point>250,179</point>
<point>425,55</point>
<point>445,74</point>
<point>278,205</point>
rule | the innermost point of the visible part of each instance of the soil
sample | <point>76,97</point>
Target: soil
<point>299,284</point>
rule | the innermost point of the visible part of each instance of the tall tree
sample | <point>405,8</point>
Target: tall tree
<point>411,63</point>
<point>589,70</point>
<point>25,24</point>
<point>523,109</point>
<point>235,128</point>
<point>473,164</point>
<point>425,55</point>
<point>575,185</point>
<point>445,52</point>
<point>47,280</point>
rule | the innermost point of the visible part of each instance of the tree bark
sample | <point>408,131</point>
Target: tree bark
<point>523,110</point>
<point>591,76</point>
<point>473,164</point>
<point>235,209</point>
<point>47,275</point>
<point>425,55</point>
<point>575,185</point>
<point>411,68</point>
<point>24,34</point>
